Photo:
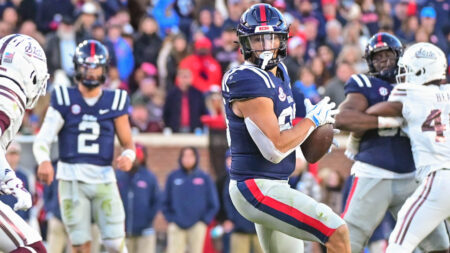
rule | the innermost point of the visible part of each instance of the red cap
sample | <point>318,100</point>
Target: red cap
<point>203,43</point>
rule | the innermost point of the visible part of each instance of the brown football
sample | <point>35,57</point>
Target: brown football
<point>318,143</point>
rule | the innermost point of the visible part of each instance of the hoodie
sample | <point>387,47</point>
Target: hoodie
<point>190,196</point>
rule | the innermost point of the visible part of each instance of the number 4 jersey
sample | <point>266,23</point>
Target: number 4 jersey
<point>426,110</point>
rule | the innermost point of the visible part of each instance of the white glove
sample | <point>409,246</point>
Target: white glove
<point>4,190</point>
<point>352,147</point>
<point>24,202</point>
<point>389,122</point>
<point>321,113</point>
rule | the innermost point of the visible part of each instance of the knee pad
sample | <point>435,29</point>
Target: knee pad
<point>36,247</point>
<point>115,245</point>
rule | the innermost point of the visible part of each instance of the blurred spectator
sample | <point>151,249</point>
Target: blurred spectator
<point>175,50</point>
<point>407,30</point>
<point>11,17</point>
<point>326,54</point>
<point>189,214</point>
<point>355,34</point>
<point>307,13</point>
<point>306,84</point>
<point>215,121</point>
<point>123,52</point>
<point>167,17</point>
<point>243,234</point>
<point>330,10</point>
<point>422,35</point>
<point>149,97</point>
<point>332,184</point>
<point>186,11</point>
<point>60,47</point>
<point>13,157</point>
<point>442,8</point>
<point>369,16</point>
<point>128,35</point>
<point>184,104</point>
<point>139,190</point>
<point>217,28</point>
<point>99,33</point>
<point>428,22</point>
<point>235,10</point>
<point>57,238</point>
<point>148,43</point>
<point>335,87</point>
<point>50,12</point>
<point>353,55</point>
<point>5,4</point>
<point>311,26</point>
<point>400,13</point>
<point>321,74</point>
<point>87,18</point>
<point>5,29</point>
<point>295,57</point>
<point>227,50</point>
<point>205,69</point>
<point>29,28</point>
<point>334,38</point>
<point>204,24</point>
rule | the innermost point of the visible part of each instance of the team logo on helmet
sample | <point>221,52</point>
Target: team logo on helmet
<point>8,57</point>
<point>423,53</point>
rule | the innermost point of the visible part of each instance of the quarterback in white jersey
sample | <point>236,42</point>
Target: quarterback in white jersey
<point>424,103</point>
<point>23,79</point>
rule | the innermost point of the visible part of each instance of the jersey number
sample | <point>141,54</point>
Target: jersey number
<point>438,127</point>
<point>83,138</point>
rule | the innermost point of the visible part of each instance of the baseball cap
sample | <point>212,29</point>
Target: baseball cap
<point>203,43</point>
<point>89,8</point>
<point>428,12</point>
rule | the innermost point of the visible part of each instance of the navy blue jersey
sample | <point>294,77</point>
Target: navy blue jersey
<point>386,148</point>
<point>87,135</point>
<point>247,81</point>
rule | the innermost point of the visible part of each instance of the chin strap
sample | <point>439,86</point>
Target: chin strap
<point>265,56</point>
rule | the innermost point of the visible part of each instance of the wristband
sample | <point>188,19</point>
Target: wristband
<point>130,154</point>
<point>389,122</point>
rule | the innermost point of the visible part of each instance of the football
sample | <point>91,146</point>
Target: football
<point>318,143</point>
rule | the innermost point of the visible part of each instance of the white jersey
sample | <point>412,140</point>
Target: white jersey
<point>426,110</point>
<point>12,103</point>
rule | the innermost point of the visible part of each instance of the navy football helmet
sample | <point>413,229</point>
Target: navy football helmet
<point>380,42</point>
<point>90,54</point>
<point>263,35</point>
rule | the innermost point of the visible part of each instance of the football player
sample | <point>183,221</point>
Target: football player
<point>259,112</point>
<point>23,79</point>
<point>384,168</point>
<point>424,103</point>
<point>86,118</point>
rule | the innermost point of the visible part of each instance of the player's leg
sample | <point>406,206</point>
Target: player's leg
<point>109,214</point>
<point>365,207</point>
<point>76,214</point>
<point>15,234</point>
<point>56,236</point>
<point>176,239</point>
<point>276,206</point>
<point>421,217</point>
<point>277,242</point>
<point>196,237</point>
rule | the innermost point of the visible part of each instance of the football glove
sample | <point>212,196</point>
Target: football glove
<point>321,113</point>
<point>23,197</point>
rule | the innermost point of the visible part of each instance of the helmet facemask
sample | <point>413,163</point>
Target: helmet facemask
<point>264,50</point>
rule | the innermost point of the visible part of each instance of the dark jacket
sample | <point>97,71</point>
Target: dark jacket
<point>51,204</point>
<point>10,200</point>
<point>141,199</point>
<point>172,108</point>
<point>190,197</point>
<point>241,224</point>
<point>146,48</point>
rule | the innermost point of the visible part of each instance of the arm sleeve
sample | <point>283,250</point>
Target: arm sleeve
<point>213,199</point>
<point>53,123</point>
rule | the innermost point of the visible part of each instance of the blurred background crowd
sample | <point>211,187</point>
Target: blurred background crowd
<point>170,56</point>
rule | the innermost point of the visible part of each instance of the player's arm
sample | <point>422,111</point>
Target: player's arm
<point>53,122</point>
<point>123,130</point>
<point>387,109</point>
<point>262,124</point>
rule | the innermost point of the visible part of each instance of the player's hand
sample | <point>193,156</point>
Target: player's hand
<point>124,163</point>
<point>46,172</point>
<point>4,190</point>
<point>352,147</point>
<point>321,113</point>
<point>24,202</point>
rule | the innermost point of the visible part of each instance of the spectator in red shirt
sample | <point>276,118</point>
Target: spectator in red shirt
<point>204,68</point>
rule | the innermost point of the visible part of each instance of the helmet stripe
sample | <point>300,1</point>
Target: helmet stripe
<point>2,50</point>
<point>262,14</point>
<point>92,49</point>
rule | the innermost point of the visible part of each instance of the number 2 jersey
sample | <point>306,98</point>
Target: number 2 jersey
<point>388,149</point>
<point>248,81</point>
<point>86,133</point>
<point>426,110</point>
